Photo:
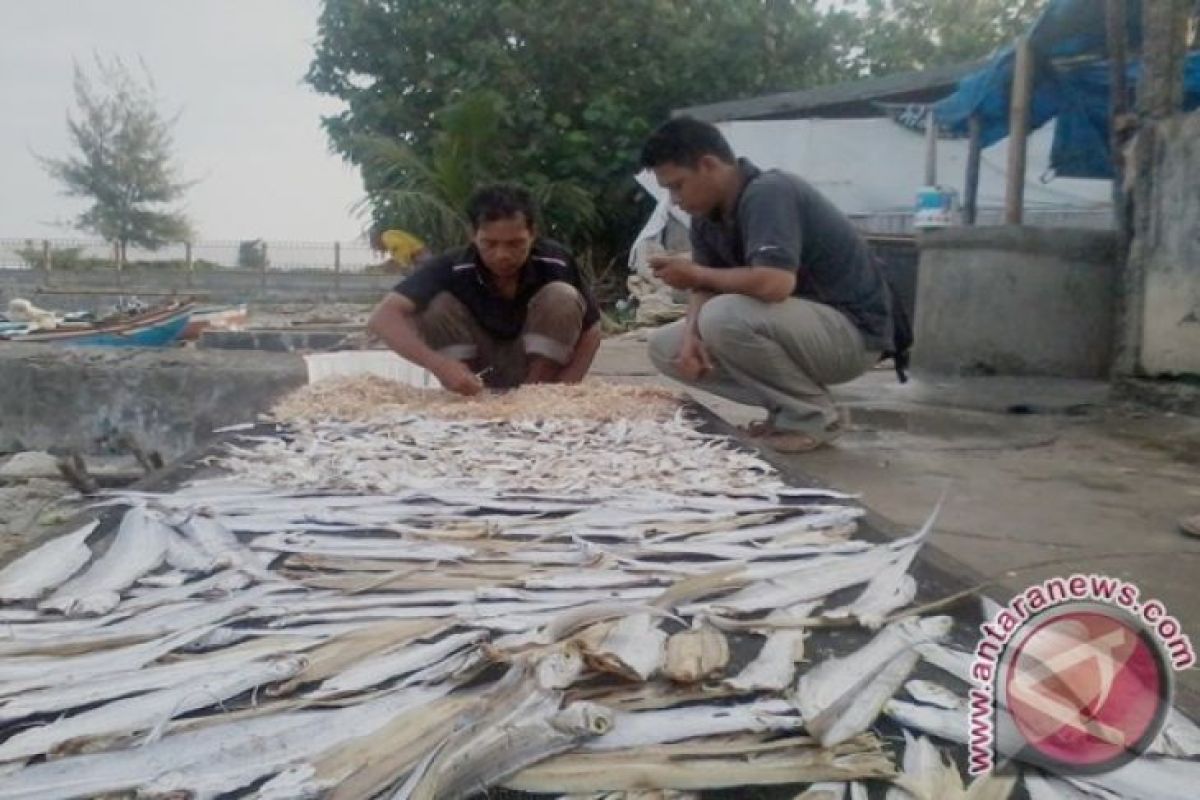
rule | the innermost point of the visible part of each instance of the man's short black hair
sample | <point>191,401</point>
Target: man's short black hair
<point>684,141</point>
<point>501,201</point>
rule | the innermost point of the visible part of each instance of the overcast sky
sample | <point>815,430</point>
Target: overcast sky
<point>249,129</point>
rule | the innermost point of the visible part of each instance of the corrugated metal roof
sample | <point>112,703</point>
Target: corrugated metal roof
<point>852,99</point>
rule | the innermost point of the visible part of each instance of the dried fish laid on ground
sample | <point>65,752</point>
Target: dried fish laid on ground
<point>403,439</point>
<point>419,596</point>
<point>45,568</point>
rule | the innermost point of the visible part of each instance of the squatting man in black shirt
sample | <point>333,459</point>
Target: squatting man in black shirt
<point>785,299</point>
<point>509,308</point>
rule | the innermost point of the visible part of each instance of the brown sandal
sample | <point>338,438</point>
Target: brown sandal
<point>791,442</point>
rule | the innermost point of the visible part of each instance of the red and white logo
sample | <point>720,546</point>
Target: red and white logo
<point>1086,687</point>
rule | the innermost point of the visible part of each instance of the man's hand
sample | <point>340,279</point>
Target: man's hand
<point>678,272</point>
<point>455,376</point>
<point>693,361</point>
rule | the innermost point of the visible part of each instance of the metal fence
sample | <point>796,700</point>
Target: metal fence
<point>900,223</point>
<point>68,254</point>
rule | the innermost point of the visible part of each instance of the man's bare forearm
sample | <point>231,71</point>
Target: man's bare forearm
<point>696,300</point>
<point>768,284</point>
<point>581,359</point>
<point>399,332</point>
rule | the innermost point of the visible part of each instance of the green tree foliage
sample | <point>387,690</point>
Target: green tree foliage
<point>879,37</point>
<point>559,94</point>
<point>122,161</point>
<point>571,89</point>
<point>428,194</point>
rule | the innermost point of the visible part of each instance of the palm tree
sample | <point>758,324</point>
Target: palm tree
<point>427,195</point>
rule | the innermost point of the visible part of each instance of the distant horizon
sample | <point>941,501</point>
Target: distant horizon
<point>248,128</point>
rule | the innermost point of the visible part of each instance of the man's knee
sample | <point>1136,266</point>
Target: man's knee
<point>663,348</point>
<point>445,306</point>
<point>446,324</point>
<point>557,298</point>
<point>725,319</point>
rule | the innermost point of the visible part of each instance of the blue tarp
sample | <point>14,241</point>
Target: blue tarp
<point>1076,94</point>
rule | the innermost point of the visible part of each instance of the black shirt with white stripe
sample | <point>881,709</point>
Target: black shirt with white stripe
<point>461,273</point>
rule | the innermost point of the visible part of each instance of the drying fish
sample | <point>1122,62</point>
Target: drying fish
<point>636,794</point>
<point>400,661</point>
<point>567,622</point>
<point>498,753</point>
<point>633,649</point>
<point>841,696</point>
<point>560,668</point>
<point>1146,778</point>
<point>349,647</point>
<point>123,684</point>
<point>948,724</point>
<point>933,694</point>
<point>774,668</point>
<point>927,773</point>
<point>44,568</point>
<point>145,711</point>
<point>138,547</point>
<point>948,659</point>
<point>696,655</point>
<point>634,730</point>
<point>1180,737</point>
<point>787,584</point>
<point>213,759</point>
<point>187,557</point>
<point>892,587</point>
<point>1046,787</point>
<point>672,768</point>
<point>391,548</point>
<point>19,675</point>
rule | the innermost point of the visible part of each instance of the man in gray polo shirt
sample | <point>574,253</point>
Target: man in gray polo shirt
<point>785,299</point>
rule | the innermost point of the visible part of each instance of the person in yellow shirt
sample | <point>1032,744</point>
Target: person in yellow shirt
<point>404,250</point>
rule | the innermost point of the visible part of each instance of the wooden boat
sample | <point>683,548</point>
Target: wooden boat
<point>156,328</point>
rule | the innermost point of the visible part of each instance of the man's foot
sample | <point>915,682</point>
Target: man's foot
<point>791,441</point>
<point>541,370</point>
<point>1190,525</point>
<point>760,428</point>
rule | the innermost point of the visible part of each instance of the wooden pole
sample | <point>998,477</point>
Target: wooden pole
<point>930,148</point>
<point>47,255</point>
<point>1022,92</point>
<point>1118,42</point>
<point>337,269</point>
<point>974,157</point>
<point>1164,48</point>
<point>189,263</point>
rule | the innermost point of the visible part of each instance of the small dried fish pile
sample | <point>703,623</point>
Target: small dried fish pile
<point>366,398</point>
<point>323,619</point>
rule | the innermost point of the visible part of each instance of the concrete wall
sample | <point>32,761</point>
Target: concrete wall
<point>1016,301</point>
<point>88,288</point>
<point>57,398</point>
<point>1162,320</point>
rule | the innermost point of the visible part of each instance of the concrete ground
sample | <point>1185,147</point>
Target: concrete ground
<point>1040,477</point>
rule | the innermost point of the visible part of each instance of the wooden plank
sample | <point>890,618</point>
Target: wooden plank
<point>1117,36</point>
<point>930,148</point>
<point>1164,44</point>
<point>1022,92</point>
<point>974,157</point>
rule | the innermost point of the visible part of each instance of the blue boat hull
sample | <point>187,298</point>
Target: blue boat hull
<point>156,335</point>
<point>156,329</point>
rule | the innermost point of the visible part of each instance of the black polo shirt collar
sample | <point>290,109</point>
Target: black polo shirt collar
<point>525,279</point>
<point>747,172</point>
